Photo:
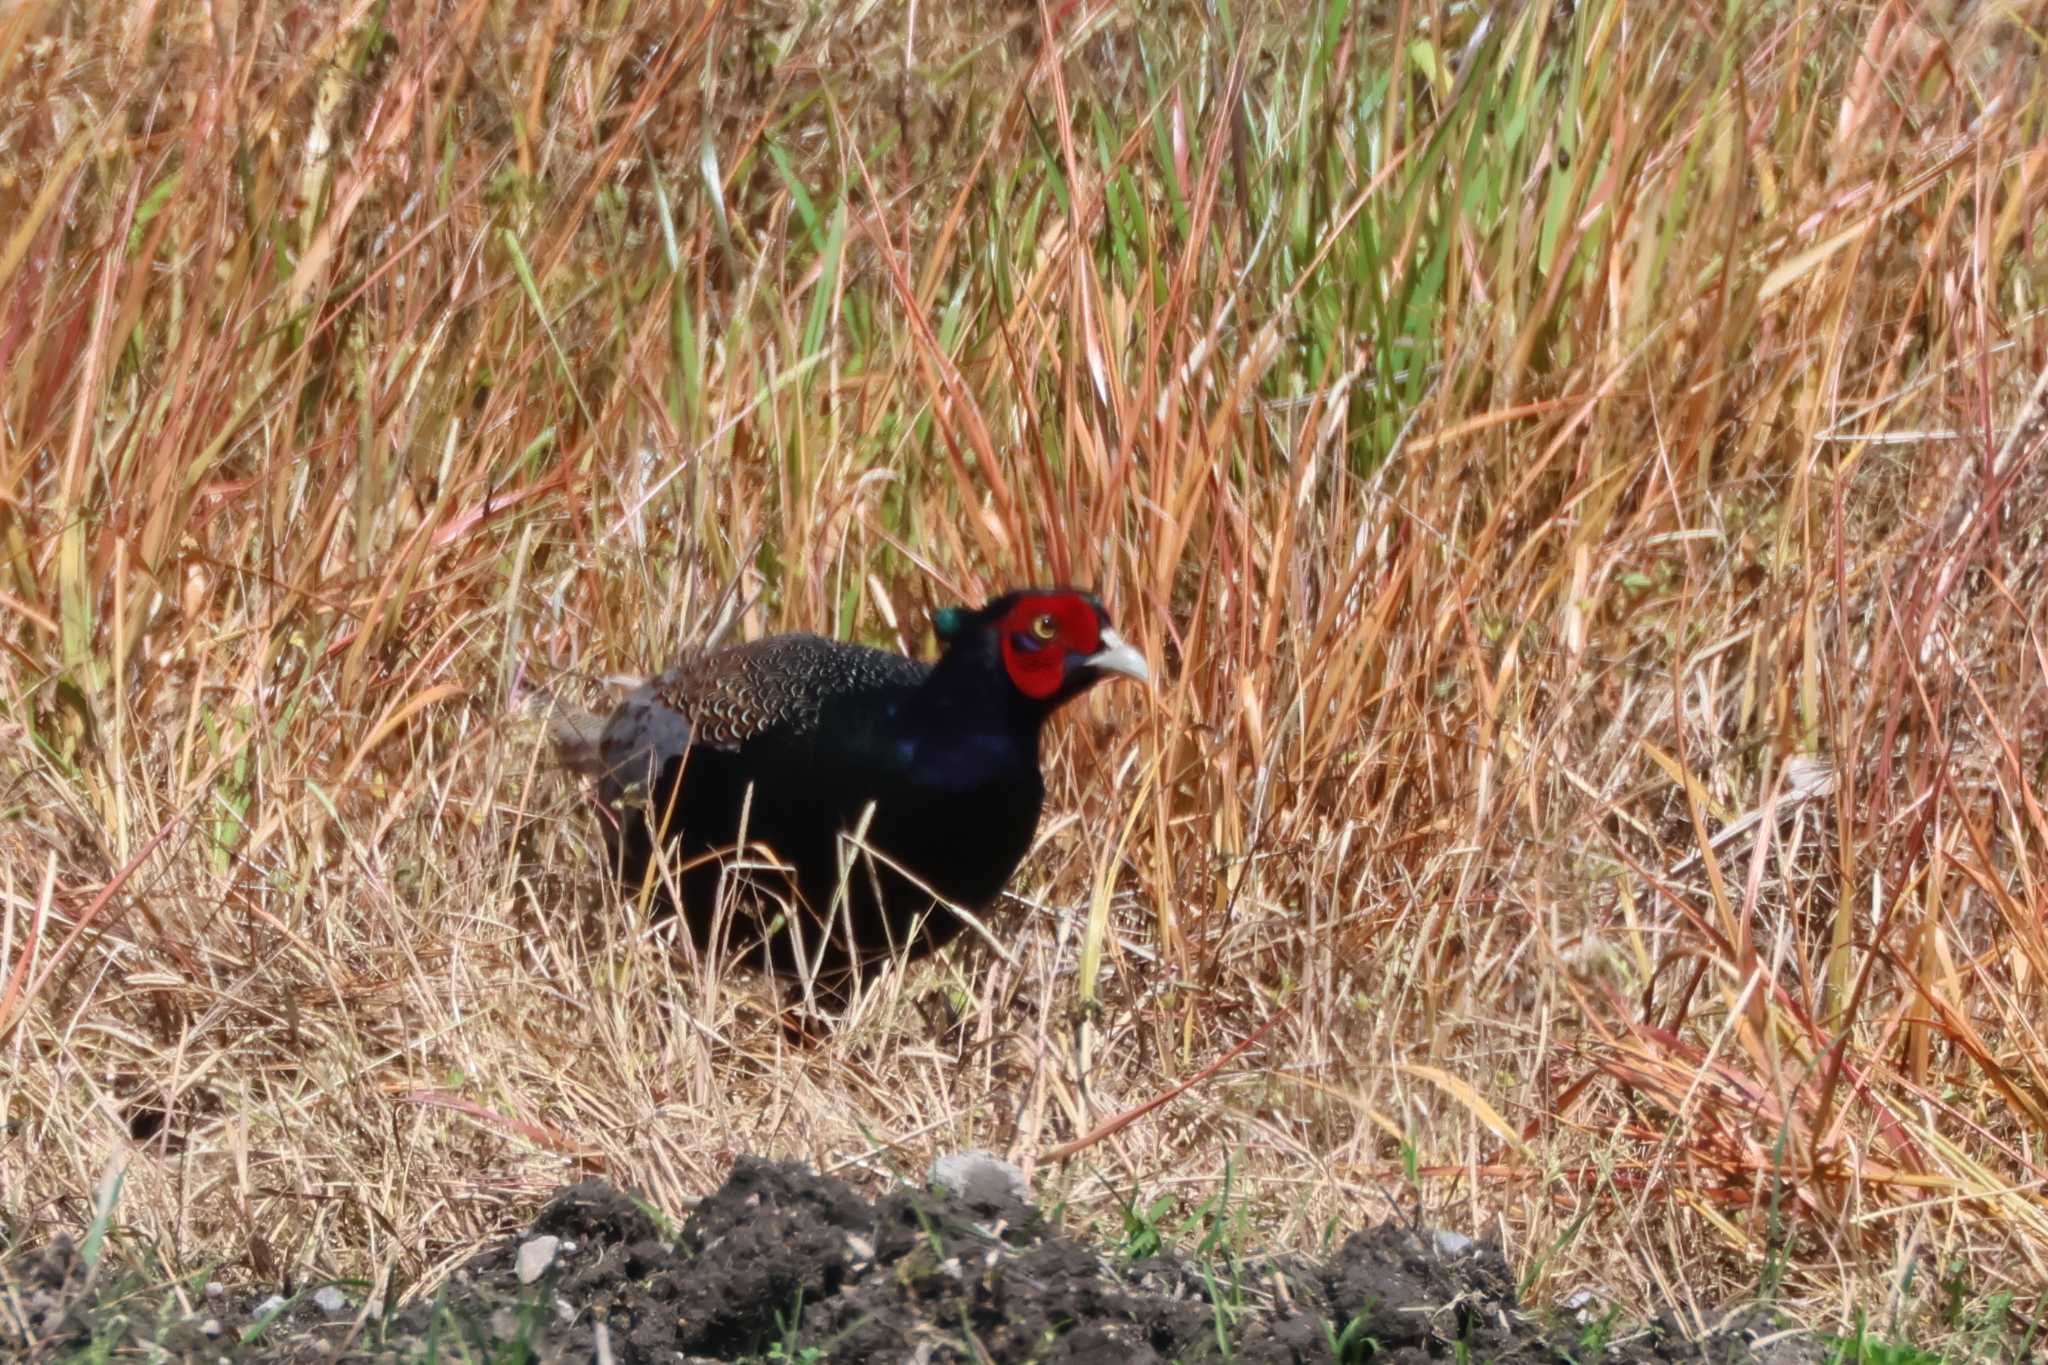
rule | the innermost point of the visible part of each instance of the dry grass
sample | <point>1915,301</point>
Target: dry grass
<point>1580,476</point>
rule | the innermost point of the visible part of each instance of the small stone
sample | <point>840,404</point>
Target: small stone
<point>214,1289</point>
<point>981,1178</point>
<point>536,1256</point>
<point>328,1299</point>
<point>211,1327</point>
<point>1453,1246</point>
<point>270,1307</point>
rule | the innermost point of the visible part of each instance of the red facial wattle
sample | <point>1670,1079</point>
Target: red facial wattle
<point>1039,633</point>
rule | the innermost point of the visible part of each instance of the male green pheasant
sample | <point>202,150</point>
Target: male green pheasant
<point>882,786</point>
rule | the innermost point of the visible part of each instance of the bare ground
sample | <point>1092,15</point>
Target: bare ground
<point>781,1263</point>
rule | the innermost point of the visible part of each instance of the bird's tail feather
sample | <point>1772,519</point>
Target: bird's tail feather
<point>573,732</point>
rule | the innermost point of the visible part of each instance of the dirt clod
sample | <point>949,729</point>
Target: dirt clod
<point>783,1263</point>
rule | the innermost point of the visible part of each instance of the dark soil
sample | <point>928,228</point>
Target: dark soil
<point>781,1264</point>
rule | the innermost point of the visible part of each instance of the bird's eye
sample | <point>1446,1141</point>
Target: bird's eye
<point>1044,627</point>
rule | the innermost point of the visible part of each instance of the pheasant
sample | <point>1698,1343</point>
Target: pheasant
<point>880,785</point>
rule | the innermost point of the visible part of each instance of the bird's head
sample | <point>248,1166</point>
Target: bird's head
<point>1054,643</point>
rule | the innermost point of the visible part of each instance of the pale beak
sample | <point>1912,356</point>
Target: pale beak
<point>1118,656</point>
